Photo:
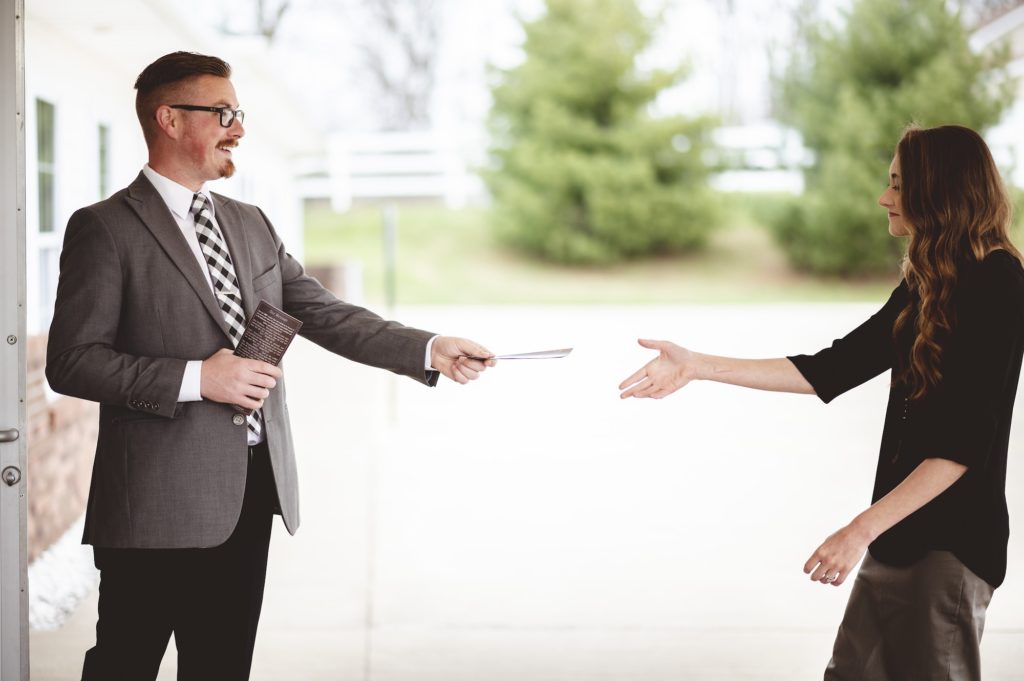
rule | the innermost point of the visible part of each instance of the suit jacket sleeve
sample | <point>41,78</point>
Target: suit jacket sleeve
<point>347,330</point>
<point>83,359</point>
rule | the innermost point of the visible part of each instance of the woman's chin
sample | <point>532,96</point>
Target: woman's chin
<point>897,231</point>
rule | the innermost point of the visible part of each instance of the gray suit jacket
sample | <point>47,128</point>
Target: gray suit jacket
<point>133,306</point>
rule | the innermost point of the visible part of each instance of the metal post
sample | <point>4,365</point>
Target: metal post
<point>14,658</point>
<point>389,223</point>
<point>390,255</point>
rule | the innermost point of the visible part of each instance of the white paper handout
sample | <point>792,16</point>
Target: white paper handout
<point>539,354</point>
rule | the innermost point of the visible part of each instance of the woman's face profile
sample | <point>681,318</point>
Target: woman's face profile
<point>890,200</point>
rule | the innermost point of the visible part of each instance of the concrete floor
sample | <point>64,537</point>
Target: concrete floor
<point>533,527</point>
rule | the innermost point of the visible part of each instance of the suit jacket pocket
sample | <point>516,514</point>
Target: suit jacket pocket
<point>268,278</point>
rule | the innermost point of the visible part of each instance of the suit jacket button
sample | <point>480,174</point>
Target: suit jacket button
<point>238,419</point>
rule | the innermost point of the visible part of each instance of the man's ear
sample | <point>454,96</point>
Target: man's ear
<point>168,121</point>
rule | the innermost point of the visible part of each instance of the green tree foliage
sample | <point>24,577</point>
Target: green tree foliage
<point>582,172</point>
<point>851,90</point>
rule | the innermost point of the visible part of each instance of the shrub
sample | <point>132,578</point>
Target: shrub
<point>582,172</point>
<point>851,90</point>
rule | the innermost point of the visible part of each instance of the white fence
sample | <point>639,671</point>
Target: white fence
<point>391,165</point>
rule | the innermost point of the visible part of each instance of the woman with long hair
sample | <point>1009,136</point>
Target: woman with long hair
<point>952,333</point>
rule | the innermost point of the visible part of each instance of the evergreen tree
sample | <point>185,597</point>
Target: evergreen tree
<point>582,172</point>
<point>851,90</point>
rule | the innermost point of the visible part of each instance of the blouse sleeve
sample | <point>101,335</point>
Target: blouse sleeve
<point>857,357</point>
<point>980,368</point>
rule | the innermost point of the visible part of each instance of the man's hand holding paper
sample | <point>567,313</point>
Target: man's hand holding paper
<point>460,359</point>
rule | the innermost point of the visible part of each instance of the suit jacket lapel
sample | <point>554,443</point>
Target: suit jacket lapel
<point>156,216</point>
<point>230,221</point>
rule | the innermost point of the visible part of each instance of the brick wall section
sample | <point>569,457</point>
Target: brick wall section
<point>61,444</point>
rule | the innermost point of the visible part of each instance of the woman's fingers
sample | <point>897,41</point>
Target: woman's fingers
<point>648,389</point>
<point>636,376</point>
<point>822,572</point>
<point>829,566</point>
<point>640,389</point>
<point>653,344</point>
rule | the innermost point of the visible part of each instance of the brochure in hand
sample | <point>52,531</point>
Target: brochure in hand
<point>267,335</point>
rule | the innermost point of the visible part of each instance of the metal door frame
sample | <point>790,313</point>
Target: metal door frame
<point>14,660</point>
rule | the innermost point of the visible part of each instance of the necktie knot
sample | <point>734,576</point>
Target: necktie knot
<point>199,204</point>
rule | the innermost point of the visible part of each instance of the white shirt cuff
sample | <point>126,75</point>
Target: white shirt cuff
<point>190,383</point>
<point>426,358</point>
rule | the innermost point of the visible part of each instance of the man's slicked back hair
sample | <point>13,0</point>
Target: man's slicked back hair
<point>165,74</point>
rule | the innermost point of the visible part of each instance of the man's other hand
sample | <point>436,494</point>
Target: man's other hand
<point>228,378</point>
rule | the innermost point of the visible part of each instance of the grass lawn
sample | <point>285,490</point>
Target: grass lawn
<point>450,256</point>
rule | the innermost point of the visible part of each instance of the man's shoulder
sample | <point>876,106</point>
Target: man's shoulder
<point>114,205</point>
<point>223,200</point>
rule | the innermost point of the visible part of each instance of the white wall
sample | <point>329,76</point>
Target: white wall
<point>88,90</point>
<point>85,94</point>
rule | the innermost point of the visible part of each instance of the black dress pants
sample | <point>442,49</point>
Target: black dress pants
<point>209,598</point>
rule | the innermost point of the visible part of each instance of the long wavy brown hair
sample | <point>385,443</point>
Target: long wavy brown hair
<point>957,211</point>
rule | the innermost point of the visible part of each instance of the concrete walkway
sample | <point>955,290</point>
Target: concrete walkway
<point>533,527</point>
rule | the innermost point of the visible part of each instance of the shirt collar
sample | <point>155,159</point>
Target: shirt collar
<point>177,197</point>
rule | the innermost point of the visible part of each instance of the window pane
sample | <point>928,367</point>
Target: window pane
<point>104,161</point>
<point>44,130</point>
<point>48,273</point>
<point>46,201</point>
<point>45,154</point>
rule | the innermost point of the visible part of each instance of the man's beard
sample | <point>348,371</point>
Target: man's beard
<point>228,169</point>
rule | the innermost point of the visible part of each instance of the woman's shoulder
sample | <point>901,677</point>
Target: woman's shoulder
<point>999,276</point>
<point>1000,265</point>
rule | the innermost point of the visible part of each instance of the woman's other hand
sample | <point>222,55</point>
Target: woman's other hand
<point>833,561</point>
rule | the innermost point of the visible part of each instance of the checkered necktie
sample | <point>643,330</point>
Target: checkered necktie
<point>225,283</point>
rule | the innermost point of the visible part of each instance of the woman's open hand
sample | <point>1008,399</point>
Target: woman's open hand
<point>673,368</point>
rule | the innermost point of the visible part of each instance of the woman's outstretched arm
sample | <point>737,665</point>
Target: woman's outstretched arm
<point>676,366</point>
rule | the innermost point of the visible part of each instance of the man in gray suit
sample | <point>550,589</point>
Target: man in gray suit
<point>156,283</point>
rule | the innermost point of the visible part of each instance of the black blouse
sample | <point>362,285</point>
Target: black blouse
<point>966,418</point>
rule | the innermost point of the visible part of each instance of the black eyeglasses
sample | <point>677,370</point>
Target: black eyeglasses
<point>227,114</point>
